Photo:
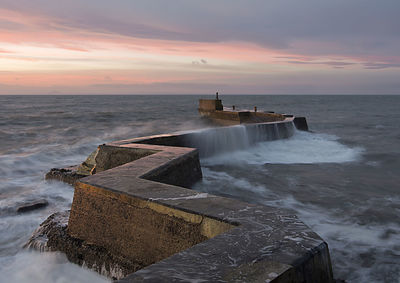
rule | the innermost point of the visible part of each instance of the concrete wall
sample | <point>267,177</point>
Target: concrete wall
<point>210,104</point>
<point>183,171</point>
<point>301,123</point>
<point>136,229</point>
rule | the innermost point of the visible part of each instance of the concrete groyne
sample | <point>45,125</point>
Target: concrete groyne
<point>136,213</point>
<point>214,110</point>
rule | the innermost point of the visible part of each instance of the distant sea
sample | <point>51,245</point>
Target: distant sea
<point>342,179</point>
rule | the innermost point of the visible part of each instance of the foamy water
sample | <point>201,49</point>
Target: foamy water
<point>46,267</point>
<point>22,180</point>
<point>301,148</point>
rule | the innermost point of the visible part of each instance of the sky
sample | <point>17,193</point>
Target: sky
<point>199,47</point>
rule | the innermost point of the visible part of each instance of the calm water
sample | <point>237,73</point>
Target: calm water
<point>342,179</point>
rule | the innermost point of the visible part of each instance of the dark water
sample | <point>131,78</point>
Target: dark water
<point>342,180</point>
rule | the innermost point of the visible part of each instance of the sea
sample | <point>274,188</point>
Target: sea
<point>342,178</point>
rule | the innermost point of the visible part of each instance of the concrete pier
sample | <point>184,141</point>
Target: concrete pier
<point>138,208</point>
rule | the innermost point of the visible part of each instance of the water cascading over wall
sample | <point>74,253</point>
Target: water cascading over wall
<point>223,139</point>
<point>226,139</point>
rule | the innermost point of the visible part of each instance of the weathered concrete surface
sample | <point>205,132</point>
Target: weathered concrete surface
<point>268,244</point>
<point>136,229</point>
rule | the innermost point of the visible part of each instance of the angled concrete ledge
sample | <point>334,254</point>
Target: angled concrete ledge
<point>222,139</point>
<point>137,208</point>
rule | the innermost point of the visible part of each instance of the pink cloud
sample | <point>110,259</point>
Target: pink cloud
<point>47,31</point>
<point>222,61</point>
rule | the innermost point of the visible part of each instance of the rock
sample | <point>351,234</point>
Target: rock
<point>73,173</point>
<point>32,205</point>
<point>39,238</point>
<point>67,175</point>
<point>88,167</point>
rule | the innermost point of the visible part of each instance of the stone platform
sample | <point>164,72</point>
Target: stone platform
<point>138,208</point>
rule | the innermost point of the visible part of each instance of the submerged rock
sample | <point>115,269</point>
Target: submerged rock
<point>52,235</point>
<point>32,205</point>
<point>67,175</point>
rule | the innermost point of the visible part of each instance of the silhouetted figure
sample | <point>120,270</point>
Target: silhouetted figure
<point>217,95</point>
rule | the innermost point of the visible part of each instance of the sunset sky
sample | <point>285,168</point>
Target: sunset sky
<point>198,47</point>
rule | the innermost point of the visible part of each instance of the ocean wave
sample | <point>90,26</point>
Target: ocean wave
<point>301,148</point>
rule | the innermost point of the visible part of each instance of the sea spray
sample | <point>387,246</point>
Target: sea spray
<point>36,267</point>
<point>215,141</point>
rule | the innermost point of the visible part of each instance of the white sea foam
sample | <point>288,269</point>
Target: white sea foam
<point>44,267</point>
<point>196,196</point>
<point>301,148</point>
<point>211,176</point>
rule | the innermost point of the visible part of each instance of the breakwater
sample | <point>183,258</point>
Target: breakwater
<point>136,208</point>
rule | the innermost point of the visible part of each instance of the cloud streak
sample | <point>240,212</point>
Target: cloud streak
<point>273,24</point>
